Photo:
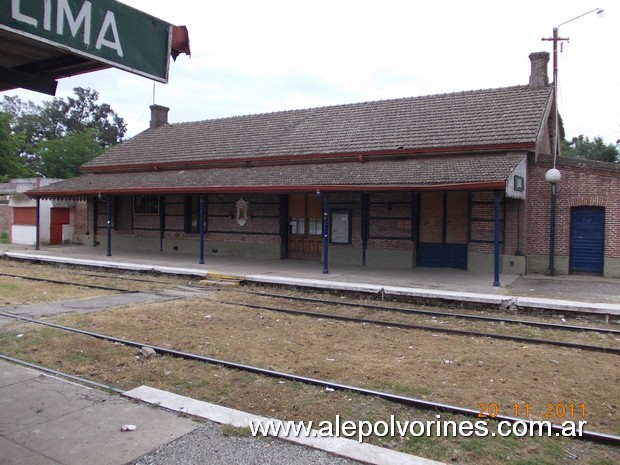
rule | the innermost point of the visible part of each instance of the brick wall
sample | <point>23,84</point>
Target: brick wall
<point>6,217</point>
<point>391,223</point>
<point>79,217</point>
<point>262,227</point>
<point>482,222</point>
<point>393,216</point>
<point>583,183</point>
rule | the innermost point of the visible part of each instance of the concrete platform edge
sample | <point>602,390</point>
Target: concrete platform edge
<point>348,448</point>
<point>488,299</point>
<point>107,264</point>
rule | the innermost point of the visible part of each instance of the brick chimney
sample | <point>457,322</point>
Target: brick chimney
<point>159,115</point>
<point>539,77</point>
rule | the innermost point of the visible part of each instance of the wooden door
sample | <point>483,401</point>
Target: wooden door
<point>305,214</point>
<point>444,229</point>
<point>58,217</point>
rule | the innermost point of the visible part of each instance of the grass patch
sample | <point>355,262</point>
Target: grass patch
<point>236,432</point>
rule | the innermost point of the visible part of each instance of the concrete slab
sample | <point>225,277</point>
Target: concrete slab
<point>39,401</point>
<point>13,374</point>
<point>85,305</point>
<point>66,423</point>
<point>568,305</point>
<point>366,453</point>
<point>13,453</point>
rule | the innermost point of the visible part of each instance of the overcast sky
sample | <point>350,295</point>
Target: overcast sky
<point>256,56</point>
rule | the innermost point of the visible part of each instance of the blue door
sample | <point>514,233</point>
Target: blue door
<point>587,239</point>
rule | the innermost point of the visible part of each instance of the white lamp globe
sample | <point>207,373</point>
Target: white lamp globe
<point>553,176</point>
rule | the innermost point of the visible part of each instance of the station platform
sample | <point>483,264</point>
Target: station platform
<point>572,293</point>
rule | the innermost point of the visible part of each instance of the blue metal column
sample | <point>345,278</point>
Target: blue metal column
<point>201,219</point>
<point>325,234</point>
<point>162,221</point>
<point>109,252</point>
<point>365,225</point>
<point>496,240</point>
<point>95,222</point>
<point>37,240</point>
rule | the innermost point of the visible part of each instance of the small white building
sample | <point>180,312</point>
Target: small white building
<point>18,214</point>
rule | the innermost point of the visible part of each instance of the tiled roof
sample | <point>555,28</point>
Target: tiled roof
<point>493,117</point>
<point>422,172</point>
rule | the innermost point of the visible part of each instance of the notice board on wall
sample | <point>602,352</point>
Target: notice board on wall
<point>340,226</point>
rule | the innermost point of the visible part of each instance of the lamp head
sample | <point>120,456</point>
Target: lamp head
<point>553,176</point>
<point>600,12</point>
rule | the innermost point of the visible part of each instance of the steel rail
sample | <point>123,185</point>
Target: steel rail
<point>458,332</point>
<point>55,281</point>
<point>104,275</point>
<point>410,401</point>
<point>61,374</point>
<point>416,311</point>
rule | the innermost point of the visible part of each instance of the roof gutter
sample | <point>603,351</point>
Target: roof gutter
<point>474,186</point>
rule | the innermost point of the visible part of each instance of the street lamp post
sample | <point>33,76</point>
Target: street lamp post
<point>555,39</point>
<point>553,176</point>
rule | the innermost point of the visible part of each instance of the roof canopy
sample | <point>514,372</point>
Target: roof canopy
<point>468,140</point>
<point>44,41</point>
<point>464,172</point>
<point>485,120</point>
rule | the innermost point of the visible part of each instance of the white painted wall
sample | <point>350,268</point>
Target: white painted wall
<point>25,235</point>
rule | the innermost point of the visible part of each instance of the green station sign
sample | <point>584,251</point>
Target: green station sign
<point>103,30</point>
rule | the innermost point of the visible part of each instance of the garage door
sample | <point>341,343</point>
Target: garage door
<point>587,239</point>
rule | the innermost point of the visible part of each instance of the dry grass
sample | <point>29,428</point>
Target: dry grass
<point>450,369</point>
<point>453,369</point>
<point>16,291</point>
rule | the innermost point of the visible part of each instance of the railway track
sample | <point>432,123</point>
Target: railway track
<point>471,316</point>
<point>557,429</point>
<point>382,310</point>
<point>31,274</point>
<point>437,313</point>
<point>436,329</point>
<point>68,283</point>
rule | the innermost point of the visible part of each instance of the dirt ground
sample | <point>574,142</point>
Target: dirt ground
<point>553,383</point>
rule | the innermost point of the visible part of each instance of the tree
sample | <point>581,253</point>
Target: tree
<point>11,164</point>
<point>582,147</point>
<point>75,130</point>
<point>61,157</point>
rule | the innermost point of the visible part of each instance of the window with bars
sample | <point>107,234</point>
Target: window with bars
<point>145,205</point>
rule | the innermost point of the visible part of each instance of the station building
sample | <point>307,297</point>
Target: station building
<point>453,180</point>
